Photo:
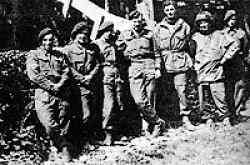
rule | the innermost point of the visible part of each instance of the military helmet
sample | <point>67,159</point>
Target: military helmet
<point>169,2</point>
<point>229,14</point>
<point>83,25</point>
<point>204,15</point>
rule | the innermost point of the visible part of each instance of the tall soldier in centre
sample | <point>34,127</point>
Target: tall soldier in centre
<point>143,71</point>
<point>112,81</point>
<point>172,35</point>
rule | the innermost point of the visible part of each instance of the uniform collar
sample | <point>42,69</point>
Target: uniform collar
<point>178,24</point>
<point>137,35</point>
<point>43,54</point>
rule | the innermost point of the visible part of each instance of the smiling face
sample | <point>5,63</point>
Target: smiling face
<point>138,23</point>
<point>47,42</point>
<point>170,11</point>
<point>82,37</point>
<point>204,26</point>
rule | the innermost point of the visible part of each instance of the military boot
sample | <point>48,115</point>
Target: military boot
<point>158,128</point>
<point>65,154</point>
<point>108,139</point>
<point>187,123</point>
<point>226,123</point>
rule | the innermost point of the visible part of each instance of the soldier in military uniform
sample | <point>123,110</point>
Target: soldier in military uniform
<point>172,36</point>
<point>213,50</point>
<point>83,58</point>
<point>49,70</point>
<point>112,79</point>
<point>144,70</point>
<point>235,68</point>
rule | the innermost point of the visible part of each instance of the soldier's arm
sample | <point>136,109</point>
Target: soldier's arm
<point>120,42</point>
<point>245,44</point>
<point>77,76</point>
<point>232,47</point>
<point>33,72</point>
<point>65,77</point>
<point>97,61</point>
<point>156,48</point>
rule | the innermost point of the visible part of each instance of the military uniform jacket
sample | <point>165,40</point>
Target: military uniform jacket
<point>46,69</point>
<point>83,61</point>
<point>236,66</point>
<point>171,42</point>
<point>210,51</point>
<point>108,53</point>
<point>140,47</point>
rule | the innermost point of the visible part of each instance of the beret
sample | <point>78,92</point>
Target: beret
<point>45,32</point>
<point>83,25</point>
<point>106,25</point>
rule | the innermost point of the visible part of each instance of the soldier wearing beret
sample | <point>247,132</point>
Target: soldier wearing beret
<point>172,36</point>
<point>145,68</point>
<point>49,70</point>
<point>83,58</point>
<point>235,68</point>
<point>213,50</point>
<point>112,79</point>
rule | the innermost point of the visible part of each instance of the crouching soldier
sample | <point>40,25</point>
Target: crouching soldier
<point>112,80</point>
<point>49,71</point>
<point>143,71</point>
<point>213,49</point>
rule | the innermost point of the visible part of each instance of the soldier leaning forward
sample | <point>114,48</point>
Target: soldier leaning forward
<point>144,69</point>
<point>112,80</point>
<point>49,71</point>
<point>82,56</point>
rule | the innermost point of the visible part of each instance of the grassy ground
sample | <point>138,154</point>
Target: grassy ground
<point>204,146</point>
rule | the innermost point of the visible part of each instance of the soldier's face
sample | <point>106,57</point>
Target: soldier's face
<point>138,23</point>
<point>48,41</point>
<point>170,11</point>
<point>204,26</point>
<point>107,35</point>
<point>82,37</point>
<point>232,21</point>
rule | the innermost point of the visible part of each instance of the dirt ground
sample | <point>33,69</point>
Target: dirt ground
<point>204,146</point>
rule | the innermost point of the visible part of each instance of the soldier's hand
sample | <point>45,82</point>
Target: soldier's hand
<point>157,73</point>
<point>59,49</point>
<point>57,87</point>
<point>223,61</point>
<point>86,79</point>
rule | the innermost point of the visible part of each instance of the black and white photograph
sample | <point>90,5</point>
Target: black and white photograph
<point>124,82</point>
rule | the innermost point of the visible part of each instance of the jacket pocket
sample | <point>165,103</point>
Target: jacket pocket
<point>42,96</point>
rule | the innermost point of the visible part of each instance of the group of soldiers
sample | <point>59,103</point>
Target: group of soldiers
<point>68,78</point>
